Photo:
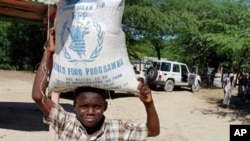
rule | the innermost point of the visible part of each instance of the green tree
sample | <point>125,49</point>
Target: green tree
<point>21,45</point>
<point>5,58</point>
<point>210,31</point>
<point>145,23</point>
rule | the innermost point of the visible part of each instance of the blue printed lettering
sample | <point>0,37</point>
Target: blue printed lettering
<point>69,80</point>
<point>104,77</point>
<point>93,71</point>
<point>105,68</point>
<point>99,6</point>
<point>107,81</point>
<point>59,68</point>
<point>84,7</point>
<point>113,65</point>
<point>119,63</point>
<point>79,15</point>
<point>125,84</point>
<point>82,79</point>
<point>59,81</point>
<point>117,76</point>
<point>74,71</point>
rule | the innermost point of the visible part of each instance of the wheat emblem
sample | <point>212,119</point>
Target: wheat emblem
<point>78,34</point>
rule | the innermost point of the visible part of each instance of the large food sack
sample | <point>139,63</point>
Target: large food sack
<point>90,47</point>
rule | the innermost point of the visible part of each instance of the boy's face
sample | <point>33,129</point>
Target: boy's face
<point>89,108</point>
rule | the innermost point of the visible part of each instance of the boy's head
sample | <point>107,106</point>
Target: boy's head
<point>80,90</point>
<point>89,105</point>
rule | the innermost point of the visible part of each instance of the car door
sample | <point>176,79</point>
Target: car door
<point>165,72</point>
<point>176,73</point>
<point>184,74</point>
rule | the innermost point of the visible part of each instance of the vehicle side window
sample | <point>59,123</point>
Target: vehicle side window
<point>165,66</point>
<point>156,65</point>
<point>176,68</point>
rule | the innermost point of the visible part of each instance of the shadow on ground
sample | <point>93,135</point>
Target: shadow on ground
<point>23,116</point>
<point>239,109</point>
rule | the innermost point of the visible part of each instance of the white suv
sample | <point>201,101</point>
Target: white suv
<point>168,74</point>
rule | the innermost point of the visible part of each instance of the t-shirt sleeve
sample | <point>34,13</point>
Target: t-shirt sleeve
<point>57,117</point>
<point>133,131</point>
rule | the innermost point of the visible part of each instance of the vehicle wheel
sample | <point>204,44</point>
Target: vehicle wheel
<point>151,73</point>
<point>169,86</point>
<point>195,88</point>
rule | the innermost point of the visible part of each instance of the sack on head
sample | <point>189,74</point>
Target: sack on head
<point>90,47</point>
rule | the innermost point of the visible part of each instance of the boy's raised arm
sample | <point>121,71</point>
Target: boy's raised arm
<point>153,123</point>
<point>40,83</point>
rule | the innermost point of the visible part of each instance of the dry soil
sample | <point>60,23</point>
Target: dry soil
<point>184,116</point>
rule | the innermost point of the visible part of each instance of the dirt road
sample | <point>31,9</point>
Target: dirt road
<point>184,116</point>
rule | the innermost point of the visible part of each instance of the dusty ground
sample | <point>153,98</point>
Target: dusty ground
<point>184,116</point>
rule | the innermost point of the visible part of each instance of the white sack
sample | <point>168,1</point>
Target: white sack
<point>45,1</point>
<point>90,47</point>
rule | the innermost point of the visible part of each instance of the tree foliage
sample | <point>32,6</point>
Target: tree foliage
<point>220,35</point>
<point>200,32</point>
<point>22,45</point>
<point>5,57</point>
<point>144,21</point>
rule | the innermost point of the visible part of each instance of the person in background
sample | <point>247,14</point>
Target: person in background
<point>89,122</point>
<point>212,76</point>
<point>223,79</point>
<point>228,90</point>
<point>247,92</point>
<point>241,85</point>
<point>245,79</point>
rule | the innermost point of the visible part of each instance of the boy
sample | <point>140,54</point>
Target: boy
<point>89,123</point>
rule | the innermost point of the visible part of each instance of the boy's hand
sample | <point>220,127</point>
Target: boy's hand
<point>145,93</point>
<point>51,40</point>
